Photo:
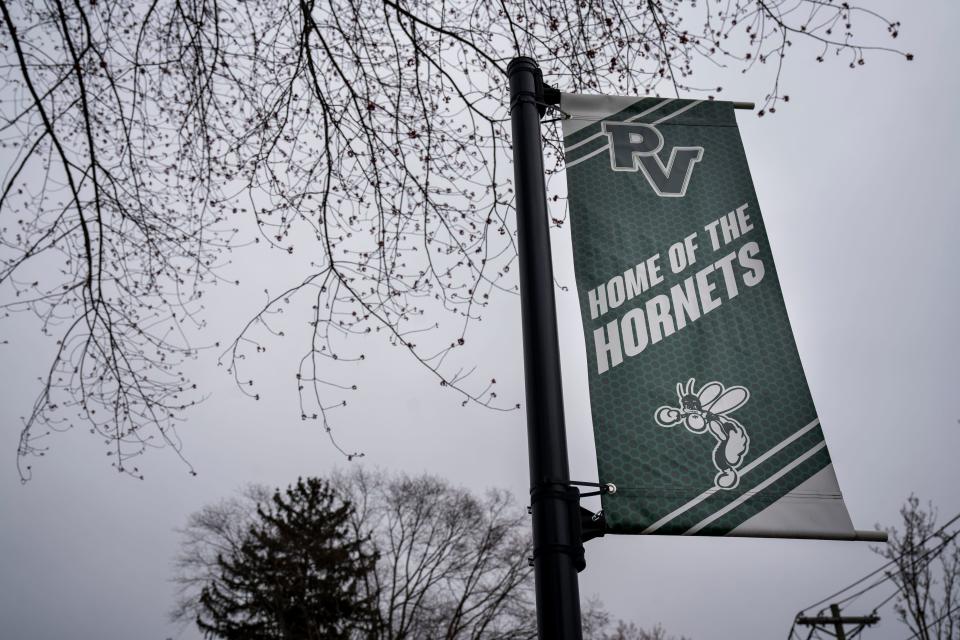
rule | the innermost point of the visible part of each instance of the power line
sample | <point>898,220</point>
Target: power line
<point>882,567</point>
<point>887,599</point>
<point>864,590</point>
<point>933,552</point>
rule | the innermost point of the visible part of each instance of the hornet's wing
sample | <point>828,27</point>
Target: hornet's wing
<point>709,393</point>
<point>732,398</point>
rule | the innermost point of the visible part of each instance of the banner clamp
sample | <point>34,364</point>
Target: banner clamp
<point>605,488</point>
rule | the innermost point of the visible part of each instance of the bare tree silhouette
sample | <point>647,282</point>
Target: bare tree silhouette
<point>449,564</point>
<point>139,139</point>
<point>925,559</point>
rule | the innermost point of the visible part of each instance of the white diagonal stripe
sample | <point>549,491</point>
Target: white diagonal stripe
<point>709,492</point>
<point>577,145</point>
<point>760,487</point>
<point>678,111</point>
<point>651,109</point>
<point>588,156</point>
<point>780,446</point>
<point>676,512</point>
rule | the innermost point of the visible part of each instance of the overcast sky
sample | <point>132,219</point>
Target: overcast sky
<point>857,181</point>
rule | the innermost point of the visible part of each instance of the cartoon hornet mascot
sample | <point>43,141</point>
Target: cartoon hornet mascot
<point>707,411</point>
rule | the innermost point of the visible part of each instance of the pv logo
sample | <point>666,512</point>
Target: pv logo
<point>635,145</point>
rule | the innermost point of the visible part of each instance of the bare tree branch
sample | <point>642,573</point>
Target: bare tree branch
<point>138,139</point>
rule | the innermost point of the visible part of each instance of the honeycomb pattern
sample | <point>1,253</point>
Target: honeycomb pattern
<point>617,222</point>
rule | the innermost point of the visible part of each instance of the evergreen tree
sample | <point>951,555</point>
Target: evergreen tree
<point>296,574</point>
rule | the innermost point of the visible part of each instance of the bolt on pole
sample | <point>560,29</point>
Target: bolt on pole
<point>557,547</point>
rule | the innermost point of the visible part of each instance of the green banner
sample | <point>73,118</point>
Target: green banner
<point>702,415</point>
